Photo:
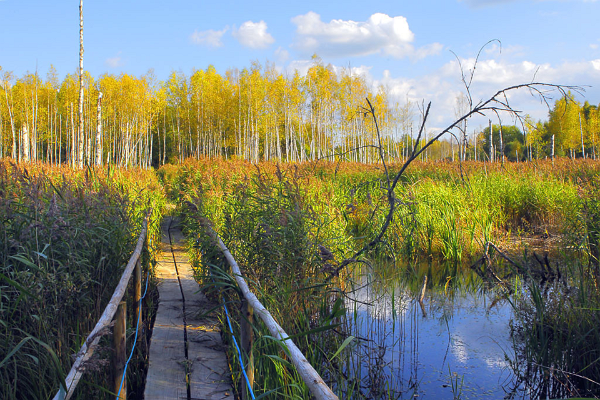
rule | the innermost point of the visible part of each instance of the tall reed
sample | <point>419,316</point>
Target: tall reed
<point>64,240</point>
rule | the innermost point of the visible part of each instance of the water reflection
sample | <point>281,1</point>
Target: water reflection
<point>455,344</point>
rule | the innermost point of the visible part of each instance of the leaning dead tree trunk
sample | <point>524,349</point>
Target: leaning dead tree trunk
<point>99,132</point>
<point>80,118</point>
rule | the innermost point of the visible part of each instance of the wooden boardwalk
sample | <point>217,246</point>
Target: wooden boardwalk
<point>205,361</point>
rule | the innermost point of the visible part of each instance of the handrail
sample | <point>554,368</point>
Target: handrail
<point>309,375</point>
<point>93,338</point>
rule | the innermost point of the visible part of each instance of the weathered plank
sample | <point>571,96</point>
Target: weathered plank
<point>209,378</point>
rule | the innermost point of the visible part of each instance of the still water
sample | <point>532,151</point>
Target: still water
<point>455,345</point>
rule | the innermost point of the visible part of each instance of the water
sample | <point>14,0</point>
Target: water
<point>454,345</point>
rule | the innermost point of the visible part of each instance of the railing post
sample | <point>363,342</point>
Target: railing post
<point>247,340</point>
<point>119,346</point>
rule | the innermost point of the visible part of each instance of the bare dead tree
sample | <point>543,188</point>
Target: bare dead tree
<point>497,104</point>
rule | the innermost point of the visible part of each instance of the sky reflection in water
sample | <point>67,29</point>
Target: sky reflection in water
<point>460,338</point>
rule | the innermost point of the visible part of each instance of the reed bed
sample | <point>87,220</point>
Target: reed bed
<point>65,238</point>
<point>557,316</point>
<point>289,227</point>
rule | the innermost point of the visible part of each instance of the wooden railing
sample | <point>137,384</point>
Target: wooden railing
<point>252,305</point>
<point>115,306</point>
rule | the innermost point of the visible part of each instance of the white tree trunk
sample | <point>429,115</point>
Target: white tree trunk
<point>581,131</point>
<point>80,118</point>
<point>25,146</point>
<point>501,145</point>
<point>491,143</point>
<point>12,121</point>
<point>99,132</point>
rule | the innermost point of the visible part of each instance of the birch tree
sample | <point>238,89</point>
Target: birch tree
<point>79,158</point>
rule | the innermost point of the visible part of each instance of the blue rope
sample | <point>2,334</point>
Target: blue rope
<point>136,335</point>
<point>239,353</point>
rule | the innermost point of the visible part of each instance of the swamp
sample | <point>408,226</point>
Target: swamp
<point>484,286</point>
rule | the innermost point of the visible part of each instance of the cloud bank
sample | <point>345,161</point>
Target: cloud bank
<point>380,33</point>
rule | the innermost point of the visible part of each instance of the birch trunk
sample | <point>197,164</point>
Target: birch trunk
<point>12,122</point>
<point>73,141</point>
<point>581,132</point>
<point>25,146</point>
<point>501,146</point>
<point>490,142</point>
<point>80,117</point>
<point>99,132</point>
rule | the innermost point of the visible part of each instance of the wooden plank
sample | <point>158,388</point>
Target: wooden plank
<point>166,374</point>
<point>210,377</point>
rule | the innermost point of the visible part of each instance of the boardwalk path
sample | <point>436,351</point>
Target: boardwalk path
<point>206,361</point>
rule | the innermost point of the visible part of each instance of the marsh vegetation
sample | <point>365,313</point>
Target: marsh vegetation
<point>508,247</point>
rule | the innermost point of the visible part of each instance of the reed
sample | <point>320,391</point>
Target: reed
<point>557,325</point>
<point>64,239</point>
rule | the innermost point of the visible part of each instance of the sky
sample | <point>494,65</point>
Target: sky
<point>413,48</point>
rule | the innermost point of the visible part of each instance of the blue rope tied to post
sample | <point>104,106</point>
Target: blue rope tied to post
<point>136,335</point>
<point>239,353</point>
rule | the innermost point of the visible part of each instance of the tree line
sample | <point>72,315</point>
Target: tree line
<point>255,114</point>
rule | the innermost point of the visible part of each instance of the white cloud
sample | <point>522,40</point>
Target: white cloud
<point>253,35</point>
<point>114,62</point>
<point>209,38</point>
<point>442,86</point>
<point>491,71</point>
<point>594,46</point>
<point>343,38</point>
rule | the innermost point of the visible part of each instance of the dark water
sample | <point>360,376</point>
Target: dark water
<point>454,346</point>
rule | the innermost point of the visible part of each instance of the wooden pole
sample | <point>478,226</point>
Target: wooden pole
<point>247,340</point>
<point>119,346</point>
<point>145,299</point>
<point>137,284</point>
<point>309,375</point>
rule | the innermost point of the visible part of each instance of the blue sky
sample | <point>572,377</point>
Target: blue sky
<point>404,45</point>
